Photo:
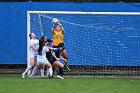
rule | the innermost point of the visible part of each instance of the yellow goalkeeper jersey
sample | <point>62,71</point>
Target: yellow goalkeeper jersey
<point>58,37</point>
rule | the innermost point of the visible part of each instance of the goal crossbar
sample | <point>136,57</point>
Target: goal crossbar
<point>74,12</point>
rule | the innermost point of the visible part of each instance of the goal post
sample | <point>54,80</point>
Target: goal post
<point>97,43</point>
<point>28,39</point>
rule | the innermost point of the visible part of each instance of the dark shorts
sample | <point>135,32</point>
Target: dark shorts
<point>48,55</point>
<point>52,62</point>
<point>55,46</point>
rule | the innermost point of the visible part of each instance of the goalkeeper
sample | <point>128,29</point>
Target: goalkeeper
<point>58,37</point>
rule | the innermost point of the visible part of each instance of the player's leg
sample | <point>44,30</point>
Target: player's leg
<point>61,66</point>
<point>34,68</point>
<point>33,71</point>
<point>46,70</point>
<point>64,54</point>
<point>42,70</point>
<point>48,56</point>
<point>32,64</point>
<point>50,71</point>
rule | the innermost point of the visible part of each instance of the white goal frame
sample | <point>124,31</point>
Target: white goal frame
<point>68,12</point>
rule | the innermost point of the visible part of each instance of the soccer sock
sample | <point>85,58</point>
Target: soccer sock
<point>66,62</point>
<point>67,67</point>
<point>28,68</point>
<point>45,69</point>
<point>50,71</point>
<point>33,71</point>
<point>53,70</point>
<point>57,70</point>
<point>42,72</point>
<point>61,71</point>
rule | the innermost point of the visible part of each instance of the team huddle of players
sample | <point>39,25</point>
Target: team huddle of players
<point>41,55</point>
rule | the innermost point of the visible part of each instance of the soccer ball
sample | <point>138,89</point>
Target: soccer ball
<point>55,20</point>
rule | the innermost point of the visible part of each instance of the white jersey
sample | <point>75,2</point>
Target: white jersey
<point>35,43</point>
<point>41,59</point>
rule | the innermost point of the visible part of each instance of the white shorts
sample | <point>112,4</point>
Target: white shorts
<point>42,60</point>
<point>33,55</point>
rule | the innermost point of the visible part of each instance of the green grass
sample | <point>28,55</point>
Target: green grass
<point>15,84</point>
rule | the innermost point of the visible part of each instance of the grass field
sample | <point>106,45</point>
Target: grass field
<point>15,84</point>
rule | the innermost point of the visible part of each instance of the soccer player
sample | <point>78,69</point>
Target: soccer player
<point>47,43</point>
<point>41,57</point>
<point>33,46</point>
<point>48,54</point>
<point>55,59</point>
<point>58,37</point>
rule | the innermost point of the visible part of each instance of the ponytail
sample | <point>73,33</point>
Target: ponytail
<point>41,44</point>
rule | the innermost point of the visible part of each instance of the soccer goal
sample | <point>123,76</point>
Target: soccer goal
<point>97,43</point>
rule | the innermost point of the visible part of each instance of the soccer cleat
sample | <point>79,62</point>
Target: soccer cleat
<point>42,76</point>
<point>50,77</point>
<point>60,77</point>
<point>23,75</point>
<point>31,76</point>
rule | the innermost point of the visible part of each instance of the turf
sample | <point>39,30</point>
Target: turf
<point>15,84</point>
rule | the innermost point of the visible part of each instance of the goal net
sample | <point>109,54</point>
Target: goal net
<point>97,43</point>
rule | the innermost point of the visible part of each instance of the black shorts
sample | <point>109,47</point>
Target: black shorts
<point>52,62</point>
<point>48,55</point>
<point>55,46</point>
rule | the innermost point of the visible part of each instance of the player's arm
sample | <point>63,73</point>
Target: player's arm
<point>46,49</point>
<point>63,58</point>
<point>32,46</point>
<point>62,33</point>
<point>51,48</point>
<point>53,31</point>
<point>53,54</point>
<point>55,23</point>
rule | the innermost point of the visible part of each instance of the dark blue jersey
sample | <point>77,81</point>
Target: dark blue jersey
<point>57,52</point>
